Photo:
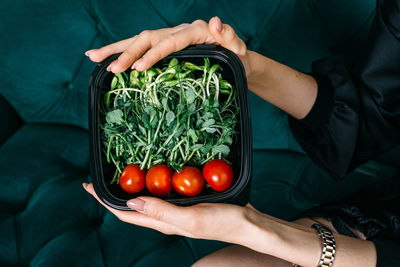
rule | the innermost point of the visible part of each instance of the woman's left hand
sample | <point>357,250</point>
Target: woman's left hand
<point>223,222</point>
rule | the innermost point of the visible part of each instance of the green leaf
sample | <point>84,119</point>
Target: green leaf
<point>197,147</point>
<point>211,130</point>
<point>164,102</point>
<point>171,127</point>
<point>171,83</point>
<point>115,116</point>
<point>151,72</point>
<point>168,75</point>
<point>182,75</point>
<point>192,108</point>
<point>142,130</point>
<point>214,103</point>
<point>224,84</point>
<point>192,134</point>
<point>121,79</point>
<point>174,62</point>
<point>205,149</point>
<point>170,117</point>
<point>190,95</point>
<point>191,66</point>
<point>206,64</point>
<point>199,122</point>
<point>214,68</point>
<point>179,131</point>
<point>154,122</point>
<point>151,112</point>
<point>145,120</point>
<point>184,118</point>
<point>206,103</point>
<point>221,149</point>
<point>114,83</point>
<point>228,140</point>
<point>207,116</point>
<point>208,122</point>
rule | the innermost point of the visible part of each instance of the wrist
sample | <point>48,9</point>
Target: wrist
<point>248,60</point>
<point>281,239</point>
<point>258,232</point>
<point>246,57</point>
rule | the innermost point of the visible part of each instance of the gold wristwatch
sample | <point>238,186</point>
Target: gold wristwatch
<point>328,246</point>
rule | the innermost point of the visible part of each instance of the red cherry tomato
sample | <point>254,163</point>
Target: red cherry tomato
<point>158,180</point>
<point>218,174</point>
<point>132,179</point>
<point>188,182</point>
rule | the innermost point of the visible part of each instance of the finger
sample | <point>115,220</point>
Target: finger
<point>175,41</point>
<point>225,35</point>
<point>164,211</point>
<point>138,218</point>
<point>140,45</point>
<point>97,55</point>
<point>134,51</point>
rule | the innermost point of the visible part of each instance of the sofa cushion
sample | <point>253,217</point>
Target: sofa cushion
<point>47,219</point>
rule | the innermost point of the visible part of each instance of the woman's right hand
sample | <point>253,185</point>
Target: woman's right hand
<point>142,51</point>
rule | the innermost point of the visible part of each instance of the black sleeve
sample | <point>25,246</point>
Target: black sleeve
<point>387,252</point>
<point>356,115</point>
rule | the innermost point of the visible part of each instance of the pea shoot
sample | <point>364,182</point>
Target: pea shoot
<point>182,114</point>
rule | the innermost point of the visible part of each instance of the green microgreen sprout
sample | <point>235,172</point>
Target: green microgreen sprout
<point>182,114</point>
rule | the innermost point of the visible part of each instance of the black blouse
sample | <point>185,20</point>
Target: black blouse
<point>356,116</point>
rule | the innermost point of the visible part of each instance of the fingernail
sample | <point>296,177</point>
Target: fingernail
<point>84,186</point>
<point>110,66</point>
<point>136,204</point>
<point>218,24</point>
<point>137,63</point>
<point>87,53</point>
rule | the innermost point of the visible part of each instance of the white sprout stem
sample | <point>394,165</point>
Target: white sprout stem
<point>201,87</point>
<point>126,90</point>
<point>216,81</point>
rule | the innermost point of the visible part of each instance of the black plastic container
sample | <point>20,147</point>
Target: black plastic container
<point>241,149</point>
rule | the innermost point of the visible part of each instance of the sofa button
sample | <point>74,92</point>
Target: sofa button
<point>70,86</point>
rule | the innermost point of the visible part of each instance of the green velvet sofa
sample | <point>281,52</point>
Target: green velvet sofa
<point>46,218</point>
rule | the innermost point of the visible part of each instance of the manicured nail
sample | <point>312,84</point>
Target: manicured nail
<point>84,186</point>
<point>136,204</point>
<point>218,24</point>
<point>87,53</point>
<point>137,63</point>
<point>110,66</point>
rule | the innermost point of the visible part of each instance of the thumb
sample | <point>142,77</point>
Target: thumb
<point>225,35</point>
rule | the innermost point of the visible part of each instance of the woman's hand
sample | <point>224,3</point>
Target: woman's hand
<point>222,222</point>
<point>290,90</point>
<point>244,226</point>
<point>142,51</point>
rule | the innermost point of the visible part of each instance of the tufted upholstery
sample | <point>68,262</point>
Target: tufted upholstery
<point>46,219</point>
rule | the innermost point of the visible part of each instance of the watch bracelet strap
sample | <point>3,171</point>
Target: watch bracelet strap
<point>328,243</point>
<point>328,246</point>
